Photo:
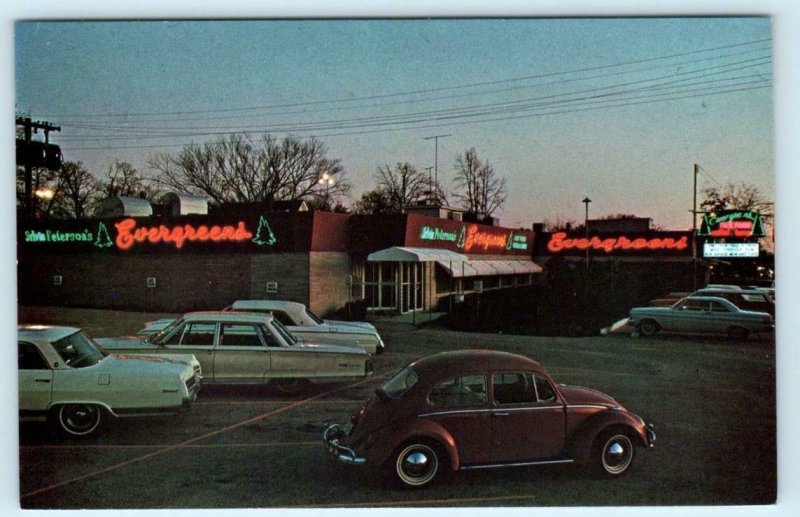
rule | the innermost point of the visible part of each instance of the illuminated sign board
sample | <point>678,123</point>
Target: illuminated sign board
<point>730,250</point>
<point>471,238</point>
<point>561,242</point>
<point>130,233</point>
<point>732,223</point>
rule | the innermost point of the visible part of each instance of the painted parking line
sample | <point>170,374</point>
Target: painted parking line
<point>194,440</point>
<point>164,446</point>
<point>422,502</point>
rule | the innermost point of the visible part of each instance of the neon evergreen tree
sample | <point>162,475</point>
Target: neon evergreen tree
<point>103,239</point>
<point>462,237</point>
<point>264,235</point>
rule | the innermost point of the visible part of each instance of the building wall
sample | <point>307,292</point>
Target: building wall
<point>120,282</point>
<point>288,270</point>
<point>328,273</point>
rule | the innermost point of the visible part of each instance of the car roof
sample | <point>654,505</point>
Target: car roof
<point>45,332</point>
<point>465,360</point>
<point>709,299</point>
<point>710,290</point>
<point>235,316</point>
<point>265,304</point>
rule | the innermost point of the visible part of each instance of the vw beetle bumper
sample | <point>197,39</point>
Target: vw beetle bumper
<point>331,438</point>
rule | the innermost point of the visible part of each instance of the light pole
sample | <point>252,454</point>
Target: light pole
<point>436,155</point>
<point>327,180</point>
<point>586,202</point>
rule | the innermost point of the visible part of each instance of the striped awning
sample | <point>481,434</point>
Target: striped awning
<point>402,254</point>
<point>489,268</point>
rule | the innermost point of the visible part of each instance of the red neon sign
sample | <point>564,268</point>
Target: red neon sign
<point>737,228</point>
<point>559,242</point>
<point>485,240</point>
<point>128,234</point>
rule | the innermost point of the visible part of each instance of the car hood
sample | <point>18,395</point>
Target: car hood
<point>125,343</point>
<point>144,364</point>
<point>357,324</point>
<point>576,395</point>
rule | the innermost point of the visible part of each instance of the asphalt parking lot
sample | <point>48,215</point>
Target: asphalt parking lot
<point>710,400</point>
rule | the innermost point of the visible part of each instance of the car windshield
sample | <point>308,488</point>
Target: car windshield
<point>78,350</point>
<point>314,316</point>
<point>399,383</point>
<point>164,332</point>
<point>287,336</point>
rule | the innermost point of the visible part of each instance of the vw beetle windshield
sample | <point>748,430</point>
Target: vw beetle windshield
<point>399,383</point>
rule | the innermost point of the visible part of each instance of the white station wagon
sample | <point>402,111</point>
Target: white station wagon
<point>249,348</point>
<point>65,376</point>
<point>302,323</point>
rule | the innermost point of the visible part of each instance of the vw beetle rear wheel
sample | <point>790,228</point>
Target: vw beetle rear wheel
<point>616,453</point>
<point>79,419</point>
<point>416,465</point>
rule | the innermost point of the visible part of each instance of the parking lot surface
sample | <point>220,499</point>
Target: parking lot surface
<point>249,447</point>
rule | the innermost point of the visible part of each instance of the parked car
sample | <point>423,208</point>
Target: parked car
<point>704,315</point>
<point>668,299</point>
<point>747,299</point>
<point>474,409</point>
<point>66,377</point>
<point>302,323</point>
<point>243,348</point>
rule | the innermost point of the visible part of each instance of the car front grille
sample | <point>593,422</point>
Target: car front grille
<point>193,384</point>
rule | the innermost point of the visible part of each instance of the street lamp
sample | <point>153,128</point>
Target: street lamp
<point>44,193</point>
<point>326,180</point>
<point>586,202</point>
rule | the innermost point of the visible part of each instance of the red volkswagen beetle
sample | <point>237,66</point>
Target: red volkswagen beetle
<point>481,408</point>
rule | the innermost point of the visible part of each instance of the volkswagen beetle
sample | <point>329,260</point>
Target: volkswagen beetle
<point>481,408</point>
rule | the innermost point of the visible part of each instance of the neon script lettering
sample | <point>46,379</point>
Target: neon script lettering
<point>559,242</point>
<point>484,240</point>
<point>128,234</point>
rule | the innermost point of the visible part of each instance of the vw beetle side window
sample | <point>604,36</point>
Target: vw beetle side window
<point>513,388</point>
<point>468,390</point>
<point>544,390</point>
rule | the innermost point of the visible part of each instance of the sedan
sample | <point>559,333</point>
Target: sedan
<point>302,323</point>
<point>66,377</point>
<point>701,315</point>
<point>248,348</point>
<point>474,409</point>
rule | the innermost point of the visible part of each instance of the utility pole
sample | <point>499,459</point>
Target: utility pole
<point>694,227</point>
<point>436,155</point>
<point>586,202</point>
<point>431,197</point>
<point>30,127</point>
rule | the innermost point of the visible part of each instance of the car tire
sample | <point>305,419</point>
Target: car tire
<point>614,452</point>
<point>649,328</point>
<point>290,386</point>
<point>738,334</point>
<point>79,420</point>
<point>416,464</point>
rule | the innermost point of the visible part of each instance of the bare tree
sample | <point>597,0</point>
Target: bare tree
<point>403,185</point>
<point>483,191</point>
<point>374,202</point>
<point>78,189</point>
<point>240,168</point>
<point>736,197</point>
<point>124,180</point>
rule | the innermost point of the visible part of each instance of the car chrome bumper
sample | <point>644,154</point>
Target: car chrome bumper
<point>651,435</point>
<point>344,454</point>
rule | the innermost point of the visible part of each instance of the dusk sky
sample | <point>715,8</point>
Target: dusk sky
<point>618,110</point>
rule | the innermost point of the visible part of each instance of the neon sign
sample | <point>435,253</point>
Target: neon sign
<point>731,249</point>
<point>517,242</point>
<point>475,238</point>
<point>741,223</point>
<point>128,234</point>
<point>34,236</point>
<point>437,234</point>
<point>559,242</point>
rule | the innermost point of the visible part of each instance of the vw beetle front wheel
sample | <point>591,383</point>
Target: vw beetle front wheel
<point>416,465</point>
<point>614,453</point>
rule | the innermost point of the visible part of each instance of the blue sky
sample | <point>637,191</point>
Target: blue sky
<point>632,155</point>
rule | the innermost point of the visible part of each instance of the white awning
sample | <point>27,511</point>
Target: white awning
<point>490,268</point>
<point>400,254</point>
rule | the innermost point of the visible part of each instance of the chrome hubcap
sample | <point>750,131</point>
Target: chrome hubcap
<point>417,465</point>
<point>617,455</point>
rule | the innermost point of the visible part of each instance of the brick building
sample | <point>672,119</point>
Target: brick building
<point>172,262</point>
